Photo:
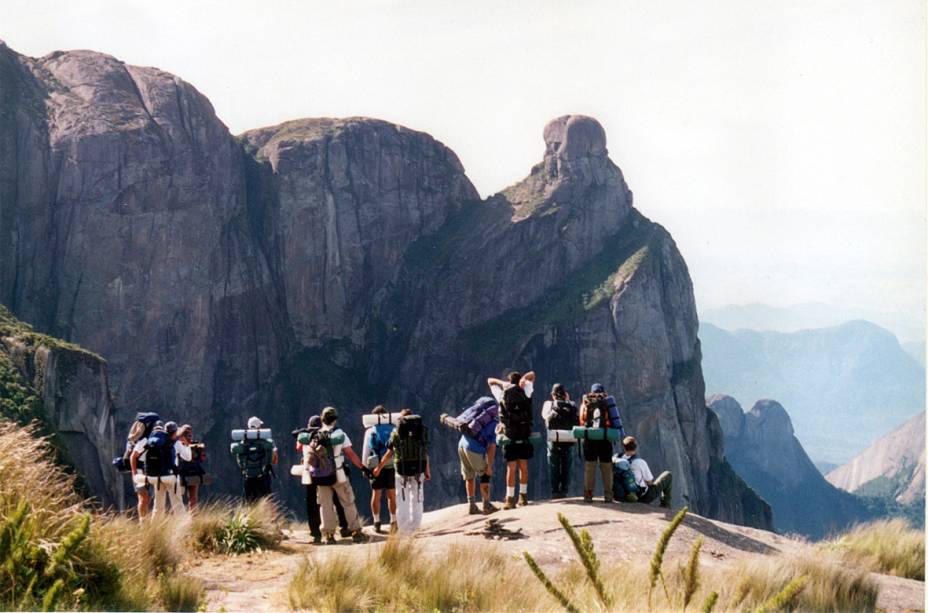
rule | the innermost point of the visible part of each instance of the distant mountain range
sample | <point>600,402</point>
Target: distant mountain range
<point>846,385</point>
<point>907,326</point>
<point>893,467</point>
<point>762,448</point>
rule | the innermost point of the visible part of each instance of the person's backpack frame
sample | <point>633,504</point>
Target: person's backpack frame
<point>411,445</point>
<point>515,413</point>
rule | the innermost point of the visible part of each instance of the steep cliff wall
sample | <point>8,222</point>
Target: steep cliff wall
<point>338,261</point>
<point>65,389</point>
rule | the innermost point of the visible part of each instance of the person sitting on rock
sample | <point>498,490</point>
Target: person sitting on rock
<point>559,413</point>
<point>342,487</point>
<point>649,488</point>
<point>515,415</point>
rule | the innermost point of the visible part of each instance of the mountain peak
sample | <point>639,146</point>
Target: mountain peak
<point>574,136</point>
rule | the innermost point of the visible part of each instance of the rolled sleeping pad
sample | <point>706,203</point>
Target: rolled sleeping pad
<point>251,434</point>
<point>561,436</point>
<point>305,438</point>
<point>502,440</point>
<point>296,470</point>
<point>206,479</point>
<point>140,479</point>
<point>372,420</point>
<point>621,463</point>
<point>596,434</point>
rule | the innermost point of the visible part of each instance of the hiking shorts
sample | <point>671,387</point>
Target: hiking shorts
<point>386,480</point>
<point>473,465</point>
<point>518,451</point>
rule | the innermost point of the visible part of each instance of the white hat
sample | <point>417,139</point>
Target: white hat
<point>254,422</point>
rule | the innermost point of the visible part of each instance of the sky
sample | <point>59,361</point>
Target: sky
<point>782,143</point>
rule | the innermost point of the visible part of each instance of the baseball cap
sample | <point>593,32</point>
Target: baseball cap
<point>170,427</point>
<point>315,422</point>
<point>597,388</point>
<point>254,422</point>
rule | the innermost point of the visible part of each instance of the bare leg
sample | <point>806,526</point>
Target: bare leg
<point>143,503</point>
<point>375,505</point>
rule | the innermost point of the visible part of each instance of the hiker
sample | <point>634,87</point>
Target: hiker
<point>408,451</point>
<point>599,411</point>
<point>312,490</point>
<point>160,469</point>
<point>379,465</point>
<point>476,454</point>
<point>561,415</point>
<point>133,459</point>
<point>256,455</point>
<point>649,488</point>
<point>190,457</point>
<point>515,416</point>
<point>341,487</point>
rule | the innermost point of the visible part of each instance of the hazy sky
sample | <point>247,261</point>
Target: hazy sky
<point>781,142</point>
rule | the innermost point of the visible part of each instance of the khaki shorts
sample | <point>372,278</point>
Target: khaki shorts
<point>473,465</point>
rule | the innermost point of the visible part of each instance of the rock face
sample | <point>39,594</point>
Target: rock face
<point>338,261</point>
<point>65,388</point>
<point>894,466</point>
<point>845,385</point>
<point>763,449</point>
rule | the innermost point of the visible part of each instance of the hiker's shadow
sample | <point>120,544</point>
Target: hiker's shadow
<point>707,528</point>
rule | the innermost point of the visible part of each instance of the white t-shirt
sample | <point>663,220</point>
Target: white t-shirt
<point>139,448</point>
<point>641,470</point>
<point>497,391</point>
<point>337,449</point>
<point>182,452</point>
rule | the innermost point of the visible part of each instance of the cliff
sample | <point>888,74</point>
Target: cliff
<point>338,261</point>
<point>893,467</point>
<point>64,388</point>
<point>764,450</point>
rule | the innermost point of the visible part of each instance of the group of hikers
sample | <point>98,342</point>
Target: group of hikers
<point>395,458</point>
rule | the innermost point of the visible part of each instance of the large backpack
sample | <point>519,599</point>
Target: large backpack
<point>623,479</point>
<point>194,466</point>
<point>379,439</point>
<point>256,457</point>
<point>148,420</point>
<point>598,414</point>
<point>320,456</point>
<point>410,447</point>
<point>159,455</point>
<point>475,417</point>
<point>515,413</point>
<point>564,415</point>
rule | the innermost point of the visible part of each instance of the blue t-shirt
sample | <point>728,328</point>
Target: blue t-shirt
<point>486,438</point>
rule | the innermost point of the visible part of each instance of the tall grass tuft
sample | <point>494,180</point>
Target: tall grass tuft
<point>549,586</point>
<point>182,593</point>
<point>785,597</point>
<point>691,573</point>
<point>583,544</point>
<point>709,603</point>
<point>887,546</point>
<point>225,527</point>
<point>657,560</point>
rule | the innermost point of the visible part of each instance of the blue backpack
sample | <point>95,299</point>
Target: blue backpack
<point>380,437</point>
<point>159,455</point>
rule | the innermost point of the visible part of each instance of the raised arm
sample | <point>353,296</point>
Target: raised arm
<point>529,376</point>
<point>494,381</point>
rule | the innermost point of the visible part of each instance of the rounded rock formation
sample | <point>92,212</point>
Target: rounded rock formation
<point>574,136</point>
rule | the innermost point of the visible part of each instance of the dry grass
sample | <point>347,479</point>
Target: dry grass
<point>401,576</point>
<point>182,593</point>
<point>225,527</point>
<point>890,546</point>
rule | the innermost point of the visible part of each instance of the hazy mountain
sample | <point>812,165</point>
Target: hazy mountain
<point>845,385</point>
<point>337,261</point>
<point>893,466</point>
<point>761,446</point>
<point>916,349</point>
<point>906,326</point>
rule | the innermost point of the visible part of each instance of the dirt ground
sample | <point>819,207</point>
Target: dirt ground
<point>258,581</point>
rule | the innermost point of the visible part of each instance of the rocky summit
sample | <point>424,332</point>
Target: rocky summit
<point>338,261</point>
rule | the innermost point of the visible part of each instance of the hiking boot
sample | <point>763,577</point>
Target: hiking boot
<point>587,496</point>
<point>377,527</point>
<point>631,498</point>
<point>474,509</point>
<point>345,533</point>
<point>359,537</point>
<point>330,539</point>
<point>510,503</point>
<point>393,527</point>
<point>317,539</point>
<point>523,500</point>
<point>489,507</point>
<point>607,498</point>
<point>665,503</point>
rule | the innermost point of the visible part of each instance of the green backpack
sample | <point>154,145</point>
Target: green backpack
<point>254,457</point>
